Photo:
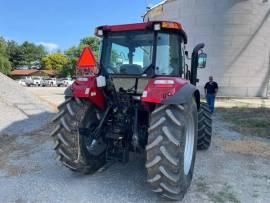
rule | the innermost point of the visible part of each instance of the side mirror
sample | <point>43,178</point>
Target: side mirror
<point>202,58</point>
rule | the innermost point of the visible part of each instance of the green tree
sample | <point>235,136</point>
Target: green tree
<point>5,66</point>
<point>56,61</point>
<point>32,52</point>
<point>25,54</point>
<point>2,46</point>
<point>15,54</point>
<point>92,42</point>
<point>73,53</point>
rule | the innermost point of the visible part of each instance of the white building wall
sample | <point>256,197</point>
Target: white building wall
<point>237,38</point>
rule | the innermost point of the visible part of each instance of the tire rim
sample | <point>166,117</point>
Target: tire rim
<point>189,146</point>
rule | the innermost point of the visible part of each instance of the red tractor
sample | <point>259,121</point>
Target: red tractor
<point>140,97</point>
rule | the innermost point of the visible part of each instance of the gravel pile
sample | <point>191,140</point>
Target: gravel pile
<point>21,112</point>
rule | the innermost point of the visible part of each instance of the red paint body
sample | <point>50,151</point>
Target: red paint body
<point>156,93</point>
<point>88,90</point>
<point>126,27</point>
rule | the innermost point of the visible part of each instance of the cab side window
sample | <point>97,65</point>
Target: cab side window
<point>168,60</point>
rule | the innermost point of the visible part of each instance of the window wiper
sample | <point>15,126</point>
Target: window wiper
<point>148,68</point>
<point>145,51</point>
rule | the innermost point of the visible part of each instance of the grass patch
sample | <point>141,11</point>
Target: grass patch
<point>247,120</point>
<point>223,196</point>
<point>202,185</point>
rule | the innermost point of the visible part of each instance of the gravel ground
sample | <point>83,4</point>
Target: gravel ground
<point>234,169</point>
<point>52,95</point>
<point>225,173</point>
<point>20,110</point>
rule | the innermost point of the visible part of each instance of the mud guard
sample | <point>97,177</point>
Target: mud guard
<point>68,92</point>
<point>171,91</point>
<point>184,95</point>
<point>86,88</point>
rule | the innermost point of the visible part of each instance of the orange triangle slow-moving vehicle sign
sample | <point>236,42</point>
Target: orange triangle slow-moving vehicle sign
<point>87,59</point>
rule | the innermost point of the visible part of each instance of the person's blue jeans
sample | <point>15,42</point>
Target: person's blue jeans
<point>210,98</point>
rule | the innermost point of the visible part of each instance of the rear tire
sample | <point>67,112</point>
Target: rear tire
<point>204,127</point>
<point>171,149</point>
<point>70,146</point>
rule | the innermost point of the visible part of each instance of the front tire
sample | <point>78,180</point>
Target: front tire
<point>70,145</point>
<point>171,149</point>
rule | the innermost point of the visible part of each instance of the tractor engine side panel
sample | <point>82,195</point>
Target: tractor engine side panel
<point>86,88</point>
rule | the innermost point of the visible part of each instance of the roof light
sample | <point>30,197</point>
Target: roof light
<point>99,32</point>
<point>164,82</point>
<point>171,25</point>
<point>157,27</point>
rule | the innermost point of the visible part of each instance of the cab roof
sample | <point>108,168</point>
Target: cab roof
<point>168,25</point>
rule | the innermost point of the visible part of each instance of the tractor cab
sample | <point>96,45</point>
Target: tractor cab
<point>132,54</point>
<point>143,49</point>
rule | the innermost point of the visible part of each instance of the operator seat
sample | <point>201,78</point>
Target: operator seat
<point>131,69</point>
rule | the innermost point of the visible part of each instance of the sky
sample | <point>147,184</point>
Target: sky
<point>60,24</point>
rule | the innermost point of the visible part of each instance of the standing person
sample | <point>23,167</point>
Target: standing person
<point>211,90</point>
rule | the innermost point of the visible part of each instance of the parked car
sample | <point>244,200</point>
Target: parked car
<point>37,81</point>
<point>46,82</point>
<point>21,82</point>
<point>64,82</point>
<point>33,81</point>
<point>61,82</point>
<point>70,81</point>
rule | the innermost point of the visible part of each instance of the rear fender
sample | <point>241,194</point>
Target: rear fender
<point>184,95</point>
<point>180,92</point>
<point>86,88</point>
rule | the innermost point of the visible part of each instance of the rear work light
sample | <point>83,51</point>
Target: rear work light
<point>99,32</point>
<point>157,27</point>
